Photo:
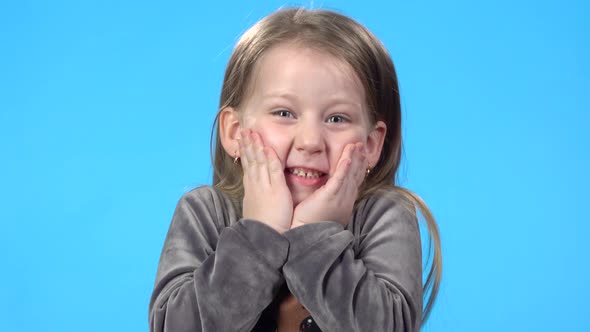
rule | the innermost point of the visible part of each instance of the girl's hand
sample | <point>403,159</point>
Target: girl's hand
<point>335,200</point>
<point>266,196</point>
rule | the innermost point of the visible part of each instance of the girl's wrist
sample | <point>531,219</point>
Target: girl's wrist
<point>277,228</point>
<point>296,224</point>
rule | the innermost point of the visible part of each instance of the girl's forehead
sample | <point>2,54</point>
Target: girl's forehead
<point>289,65</point>
<point>282,53</point>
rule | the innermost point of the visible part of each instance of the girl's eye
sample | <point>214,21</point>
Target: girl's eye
<point>283,114</point>
<point>337,119</point>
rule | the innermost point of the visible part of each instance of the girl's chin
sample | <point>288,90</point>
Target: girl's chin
<point>299,197</point>
<point>302,189</point>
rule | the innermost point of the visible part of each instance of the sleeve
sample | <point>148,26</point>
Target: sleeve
<point>375,287</point>
<point>213,278</point>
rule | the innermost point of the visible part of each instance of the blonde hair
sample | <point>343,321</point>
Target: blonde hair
<point>353,44</point>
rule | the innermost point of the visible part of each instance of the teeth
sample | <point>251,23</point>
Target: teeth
<point>305,174</point>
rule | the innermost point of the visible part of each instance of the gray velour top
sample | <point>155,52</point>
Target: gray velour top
<point>219,273</point>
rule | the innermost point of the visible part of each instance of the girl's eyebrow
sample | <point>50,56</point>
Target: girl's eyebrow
<point>337,100</point>
<point>280,94</point>
<point>343,101</point>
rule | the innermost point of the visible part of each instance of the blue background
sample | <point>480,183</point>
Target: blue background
<point>105,116</point>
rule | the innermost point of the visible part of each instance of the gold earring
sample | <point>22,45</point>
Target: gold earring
<point>236,158</point>
<point>368,171</point>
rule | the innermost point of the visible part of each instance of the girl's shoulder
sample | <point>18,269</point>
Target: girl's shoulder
<point>384,206</point>
<point>205,193</point>
<point>209,202</point>
<point>389,198</point>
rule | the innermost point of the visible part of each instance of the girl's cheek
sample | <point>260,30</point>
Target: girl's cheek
<point>254,123</point>
<point>274,138</point>
<point>248,121</point>
<point>265,132</point>
<point>340,143</point>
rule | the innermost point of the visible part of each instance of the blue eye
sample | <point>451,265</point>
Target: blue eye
<point>283,114</point>
<point>337,119</point>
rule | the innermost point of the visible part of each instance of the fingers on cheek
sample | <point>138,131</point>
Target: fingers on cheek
<point>343,167</point>
<point>362,163</point>
<point>243,154</point>
<point>359,167</point>
<point>350,151</point>
<point>273,160</point>
<point>260,156</point>
<point>245,141</point>
<point>341,176</point>
<point>258,149</point>
<point>355,161</point>
<point>336,181</point>
<point>253,147</point>
<point>346,158</point>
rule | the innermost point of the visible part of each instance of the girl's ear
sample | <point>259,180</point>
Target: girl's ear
<point>229,131</point>
<point>375,143</point>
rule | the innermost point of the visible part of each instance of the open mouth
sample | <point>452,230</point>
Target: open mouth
<point>305,173</point>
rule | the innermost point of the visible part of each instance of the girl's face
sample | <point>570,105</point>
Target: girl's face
<point>307,106</point>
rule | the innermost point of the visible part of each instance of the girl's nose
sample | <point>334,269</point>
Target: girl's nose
<point>309,138</point>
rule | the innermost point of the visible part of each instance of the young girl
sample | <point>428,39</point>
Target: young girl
<point>304,228</point>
